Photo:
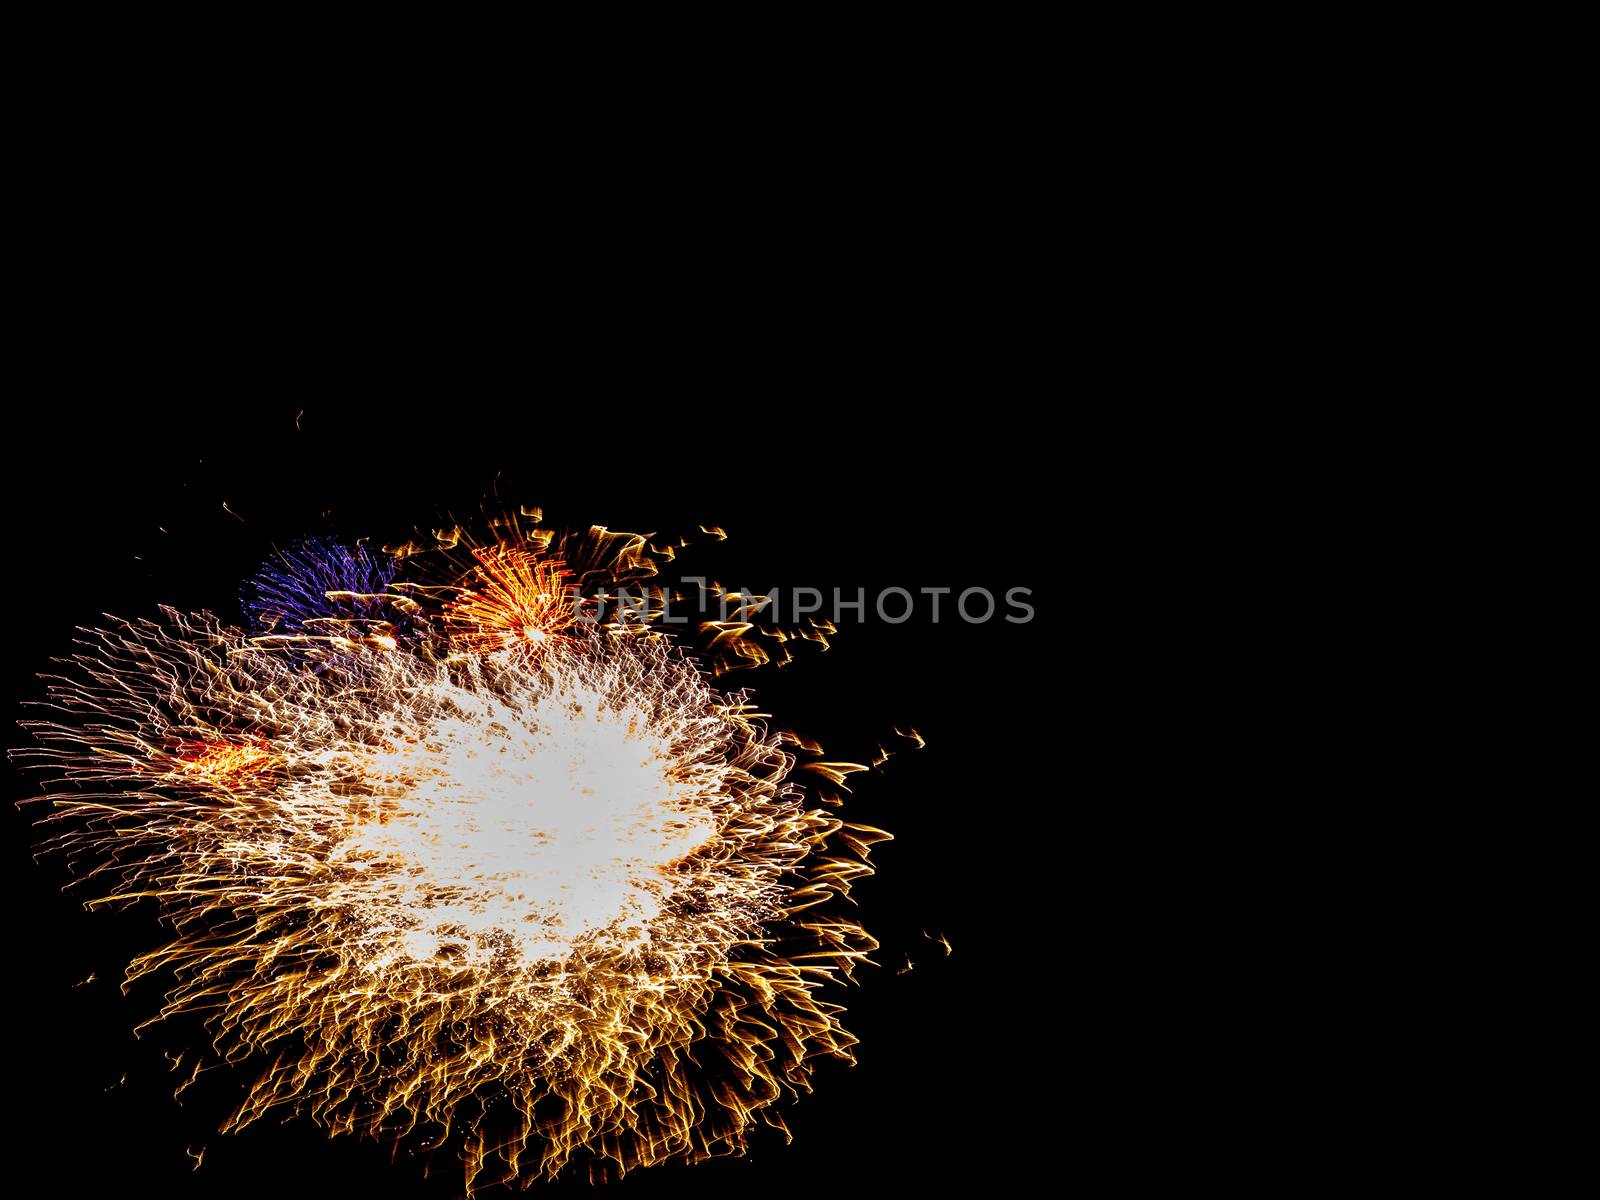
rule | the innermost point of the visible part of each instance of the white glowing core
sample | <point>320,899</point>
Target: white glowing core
<point>502,832</point>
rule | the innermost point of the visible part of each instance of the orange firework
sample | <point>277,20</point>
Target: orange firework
<point>223,764</point>
<point>518,598</point>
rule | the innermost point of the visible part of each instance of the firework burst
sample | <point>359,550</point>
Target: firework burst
<point>451,861</point>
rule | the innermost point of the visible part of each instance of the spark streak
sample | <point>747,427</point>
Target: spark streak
<point>447,863</point>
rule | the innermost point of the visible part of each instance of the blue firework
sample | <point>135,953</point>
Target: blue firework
<point>316,579</point>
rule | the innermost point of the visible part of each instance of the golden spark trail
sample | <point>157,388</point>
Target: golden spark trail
<point>448,863</point>
<point>518,595</point>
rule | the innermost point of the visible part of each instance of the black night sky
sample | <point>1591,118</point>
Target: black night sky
<point>118,505</point>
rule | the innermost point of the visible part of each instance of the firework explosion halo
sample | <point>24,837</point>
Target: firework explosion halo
<point>323,804</point>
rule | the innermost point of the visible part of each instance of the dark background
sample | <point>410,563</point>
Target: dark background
<point>946,477</point>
